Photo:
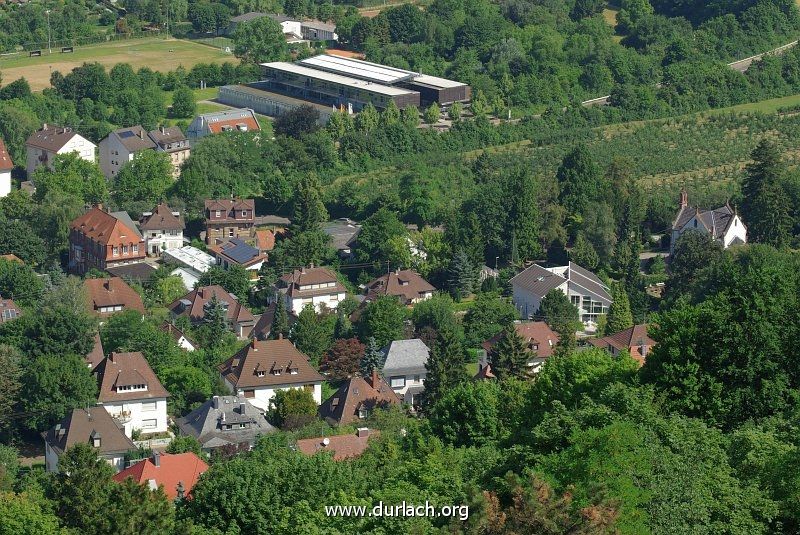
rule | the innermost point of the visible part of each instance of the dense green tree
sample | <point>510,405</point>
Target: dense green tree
<point>462,275</point>
<point>390,115</point>
<point>280,321</point>
<point>367,119</point>
<point>373,358</point>
<point>468,414</point>
<point>74,176</point>
<point>509,356</point>
<point>183,103</point>
<point>292,408</point>
<point>309,334</point>
<point>343,328</point>
<point>215,323</point>
<point>382,319</point>
<point>235,280</point>
<point>580,181</point>
<point>11,360</point>
<point>125,331</point>
<point>488,315</point>
<point>444,368</point>
<point>435,313</point>
<point>144,181</point>
<point>619,313</point>
<point>723,357</point>
<point>583,253</point>
<point>53,385</point>
<point>18,238</point>
<point>376,236</point>
<point>765,206</point>
<point>432,114</point>
<point>297,121</point>
<point>23,513</point>
<point>260,40</point>
<point>308,209</point>
<point>51,330</point>
<point>694,251</point>
<point>558,312</point>
<point>187,385</point>
<point>19,282</point>
<point>185,443</point>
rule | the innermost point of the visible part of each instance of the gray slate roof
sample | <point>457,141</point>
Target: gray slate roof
<point>715,221</point>
<point>405,355</point>
<point>205,422</point>
<point>134,138</point>
<point>539,280</point>
<point>343,233</point>
<point>125,218</point>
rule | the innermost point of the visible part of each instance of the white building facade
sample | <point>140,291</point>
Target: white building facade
<point>148,415</point>
<point>723,224</point>
<point>584,289</point>
<point>43,146</point>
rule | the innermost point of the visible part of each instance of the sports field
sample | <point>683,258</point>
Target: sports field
<point>158,54</point>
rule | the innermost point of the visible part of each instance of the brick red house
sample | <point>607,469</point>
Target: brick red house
<point>101,240</point>
<point>229,218</point>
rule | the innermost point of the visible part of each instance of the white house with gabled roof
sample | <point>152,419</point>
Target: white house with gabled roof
<point>723,224</point>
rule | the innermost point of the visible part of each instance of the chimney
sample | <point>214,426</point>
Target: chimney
<point>374,378</point>
<point>242,408</point>
<point>44,126</point>
<point>280,336</point>
<point>253,344</point>
<point>157,459</point>
<point>141,133</point>
<point>684,198</point>
<point>107,284</point>
<point>162,129</point>
<point>362,432</point>
<point>303,269</point>
<point>215,402</point>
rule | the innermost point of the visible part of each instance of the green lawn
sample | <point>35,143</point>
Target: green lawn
<point>765,106</point>
<point>158,54</point>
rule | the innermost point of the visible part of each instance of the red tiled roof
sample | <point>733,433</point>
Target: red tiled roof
<point>250,122</point>
<point>632,339</point>
<point>96,355</point>
<point>265,240</point>
<point>269,363</point>
<point>127,369</point>
<point>11,258</point>
<point>357,393</point>
<point>183,468</point>
<point>484,372</point>
<point>534,333</point>
<point>308,276</point>
<point>104,228</point>
<point>112,291</point>
<point>197,298</point>
<point>162,218</point>
<point>5,160</point>
<point>342,446</point>
<point>406,284</point>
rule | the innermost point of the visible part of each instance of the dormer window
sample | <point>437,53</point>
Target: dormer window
<point>217,213</point>
<point>131,388</point>
<point>293,371</point>
<point>276,371</point>
<point>260,373</point>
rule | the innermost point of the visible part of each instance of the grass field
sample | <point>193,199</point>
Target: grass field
<point>158,54</point>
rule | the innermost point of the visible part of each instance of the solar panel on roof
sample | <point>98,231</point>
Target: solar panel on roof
<point>126,134</point>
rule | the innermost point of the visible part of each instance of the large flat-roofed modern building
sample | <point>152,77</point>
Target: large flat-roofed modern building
<point>323,87</point>
<point>430,88</point>
<point>256,97</point>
